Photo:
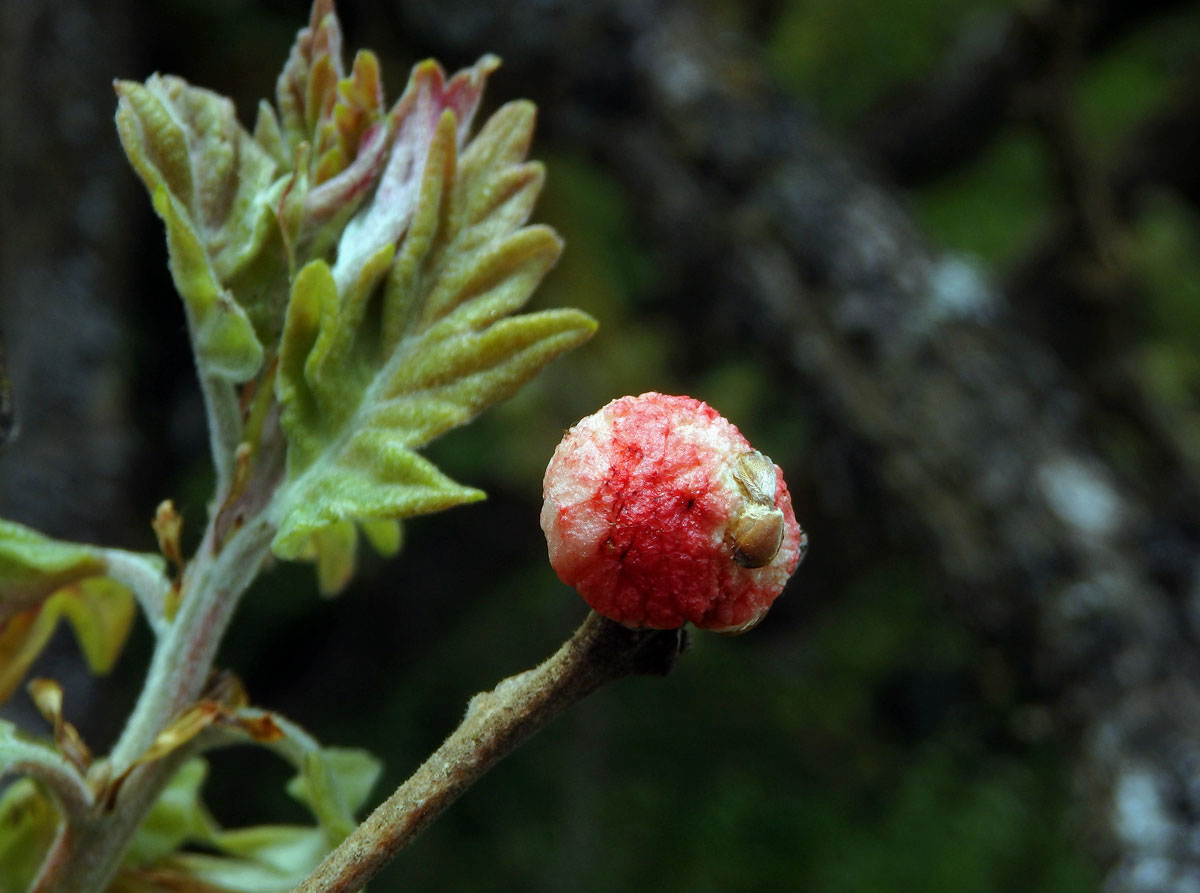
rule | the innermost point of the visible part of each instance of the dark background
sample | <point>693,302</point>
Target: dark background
<point>940,261</point>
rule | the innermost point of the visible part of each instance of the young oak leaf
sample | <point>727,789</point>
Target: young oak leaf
<point>332,132</point>
<point>332,782</point>
<point>321,204</point>
<point>318,104</point>
<point>34,566</point>
<point>334,550</point>
<point>215,188</point>
<point>99,610</point>
<point>43,580</point>
<point>398,343</point>
<point>414,121</point>
<point>258,859</point>
<point>307,88</point>
<point>177,817</point>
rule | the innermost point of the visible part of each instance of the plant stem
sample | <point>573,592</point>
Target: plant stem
<point>85,856</point>
<point>51,770</point>
<point>145,580</point>
<point>224,425</point>
<point>497,722</point>
<point>84,860</point>
<point>184,656</point>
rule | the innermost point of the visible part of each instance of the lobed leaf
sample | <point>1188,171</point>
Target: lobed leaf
<point>263,859</point>
<point>306,90</point>
<point>212,184</point>
<point>414,122</point>
<point>33,566</point>
<point>177,817</point>
<point>99,610</point>
<point>408,334</point>
<point>376,254</point>
<point>43,580</point>
<point>334,134</point>
<point>332,782</point>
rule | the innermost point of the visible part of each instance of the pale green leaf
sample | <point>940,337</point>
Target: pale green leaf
<point>281,848</point>
<point>215,187</point>
<point>273,859</point>
<point>100,611</point>
<point>177,817</point>
<point>334,782</point>
<point>260,859</point>
<point>223,338</point>
<point>370,478</point>
<point>335,547</point>
<point>386,537</point>
<point>43,580</point>
<point>32,566</point>
<point>399,343</point>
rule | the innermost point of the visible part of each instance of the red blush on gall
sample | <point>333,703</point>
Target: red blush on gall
<point>659,512</point>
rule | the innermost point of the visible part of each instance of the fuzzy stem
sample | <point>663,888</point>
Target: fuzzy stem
<point>497,722</point>
<point>224,425</point>
<point>184,656</point>
<point>146,581</point>
<point>50,769</point>
<point>85,855</point>
<point>85,860</point>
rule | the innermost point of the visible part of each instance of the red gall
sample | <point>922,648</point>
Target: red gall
<point>659,512</point>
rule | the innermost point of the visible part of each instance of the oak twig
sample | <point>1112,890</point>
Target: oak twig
<point>497,722</point>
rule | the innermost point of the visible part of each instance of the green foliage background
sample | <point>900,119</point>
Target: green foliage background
<point>860,739</point>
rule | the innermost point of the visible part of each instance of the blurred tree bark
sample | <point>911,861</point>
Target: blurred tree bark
<point>65,271</point>
<point>983,430</point>
<point>64,268</point>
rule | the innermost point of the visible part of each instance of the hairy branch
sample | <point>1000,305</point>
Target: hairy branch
<point>87,858</point>
<point>145,580</point>
<point>50,768</point>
